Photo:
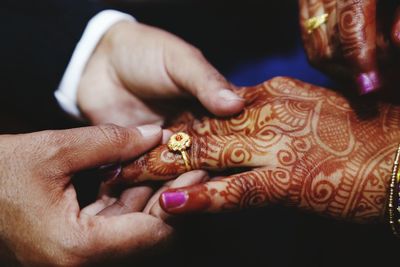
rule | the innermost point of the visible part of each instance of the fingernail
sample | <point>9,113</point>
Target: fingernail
<point>109,172</point>
<point>368,82</point>
<point>188,200</point>
<point>149,130</point>
<point>172,200</point>
<point>397,36</point>
<point>228,95</point>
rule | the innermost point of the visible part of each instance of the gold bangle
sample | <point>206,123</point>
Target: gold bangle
<point>393,205</point>
<point>181,142</point>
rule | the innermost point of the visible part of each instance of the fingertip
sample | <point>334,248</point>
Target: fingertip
<point>396,34</point>
<point>149,131</point>
<point>226,103</point>
<point>368,82</point>
<point>186,200</point>
<point>141,139</point>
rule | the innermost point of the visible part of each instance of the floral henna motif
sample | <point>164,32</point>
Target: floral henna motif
<point>318,153</point>
<point>307,146</point>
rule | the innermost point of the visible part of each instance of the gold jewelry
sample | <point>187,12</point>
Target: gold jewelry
<point>393,203</point>
<point>181,142</point>
<point>315,22</point>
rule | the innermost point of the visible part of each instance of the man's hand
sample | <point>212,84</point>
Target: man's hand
<point>135,67</point>
<point>41,222</point>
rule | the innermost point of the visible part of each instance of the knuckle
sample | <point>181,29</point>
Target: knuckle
<point>196,52</point>
<point>115,135</point>
<point>56,152</point>
<point>50,149</point>
<point>199,152</point>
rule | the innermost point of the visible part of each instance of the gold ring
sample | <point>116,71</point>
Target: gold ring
<point>315,22</point>
<point>181,142</point>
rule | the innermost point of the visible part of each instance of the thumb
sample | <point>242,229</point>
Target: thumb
<point>189,69</point>
<point>89,147</point>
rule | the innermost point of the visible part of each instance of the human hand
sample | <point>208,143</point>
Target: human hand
<point>307,147</point>
<point>41,223</point>
<point>358,42</point>
<point>136,69</point>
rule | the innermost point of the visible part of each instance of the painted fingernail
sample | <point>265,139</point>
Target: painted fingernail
<point>186,200</point>
<point>173,200</point>
<point>228,95</point>
<point>368,82</point>
<point>109,172</point>
<point>396,37</point>
<point>149,130</point>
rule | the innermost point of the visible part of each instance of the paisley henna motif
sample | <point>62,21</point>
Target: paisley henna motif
<point>308,149</point>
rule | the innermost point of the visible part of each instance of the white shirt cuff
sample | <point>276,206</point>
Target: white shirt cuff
<point>66,94</point>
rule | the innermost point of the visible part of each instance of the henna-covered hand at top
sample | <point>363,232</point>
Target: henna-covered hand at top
<point>356,42</point>
<point>307,148</point>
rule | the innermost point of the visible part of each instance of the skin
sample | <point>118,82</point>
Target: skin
<point>48,228</point>
<point>134,77</point>
<point>360,36</point>
<point>351,28</point>
<point>138,72</point>
<point>304,146</point>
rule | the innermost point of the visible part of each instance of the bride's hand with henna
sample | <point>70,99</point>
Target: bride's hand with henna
<point>306,147</point>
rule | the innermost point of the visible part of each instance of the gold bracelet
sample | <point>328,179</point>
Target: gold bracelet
<point>393,203</point>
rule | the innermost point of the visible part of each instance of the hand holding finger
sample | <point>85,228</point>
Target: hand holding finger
<point>187,179</point>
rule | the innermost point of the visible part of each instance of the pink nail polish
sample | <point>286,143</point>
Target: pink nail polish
<point>172,200</point>
<point>368,82</point>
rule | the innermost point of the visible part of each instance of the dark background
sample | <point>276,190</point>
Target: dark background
<point>248,41</point>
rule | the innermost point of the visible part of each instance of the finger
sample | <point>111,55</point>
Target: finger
<point>186,179</point>
<point>154,199</point>
<point>189,69</point>
<point>131,200</point>
<point>97,206</point>
<point>206,152</point>
<point>166,135</point>
<point>396,28</point>
<point>357,29</point>
<point>121,235</point>
<point>90,147</point>
<point>241,191</point>
<point>316,41</point>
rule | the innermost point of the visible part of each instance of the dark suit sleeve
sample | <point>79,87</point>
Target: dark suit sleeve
<point>36,43</point>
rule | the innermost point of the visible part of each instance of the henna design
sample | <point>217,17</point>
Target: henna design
<point>354,42</point>
<point>319,156</point>
<point>356,19</point>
